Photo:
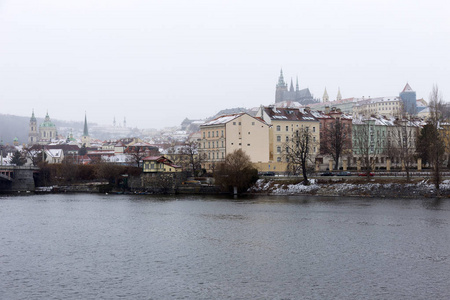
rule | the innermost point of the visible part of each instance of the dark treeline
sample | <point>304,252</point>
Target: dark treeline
<point>66,173</point>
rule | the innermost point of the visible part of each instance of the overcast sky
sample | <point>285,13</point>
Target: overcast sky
<point>157,62</point>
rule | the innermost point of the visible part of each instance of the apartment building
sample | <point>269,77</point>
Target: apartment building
<point>227,133</point>
<point>285,122</point>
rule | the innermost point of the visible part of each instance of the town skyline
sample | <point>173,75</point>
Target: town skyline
<point>135,58</point>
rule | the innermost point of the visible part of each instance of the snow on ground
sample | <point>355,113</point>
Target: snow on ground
<point>423,188</point>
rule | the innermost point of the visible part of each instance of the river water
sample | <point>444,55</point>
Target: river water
<point>144,247</point>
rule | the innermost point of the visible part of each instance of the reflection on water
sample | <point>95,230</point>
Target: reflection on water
<point>143,247</point>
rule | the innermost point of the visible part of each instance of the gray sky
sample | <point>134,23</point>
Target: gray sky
<point>157,62</point>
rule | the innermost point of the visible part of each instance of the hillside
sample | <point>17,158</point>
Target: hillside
<point>15,126</point>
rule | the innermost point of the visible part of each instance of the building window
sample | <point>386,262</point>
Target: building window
<point>222,133</point>
<point>278,149</point>
<point>314,129</point>
<point>212,134</point>
<point>278,159</point>
<point>287,139</point>
<point>278,138</point>
<point>217,144</point>
<point>239,123</point>
<point>248,144</point>
<point>234,123</point>
<point>222,144</point>
<point>253,123</point>
<point>278,128</point>
<point>287,128</point>
<point>217,133</point>
<point>209,134</point>
<point>209,144</point>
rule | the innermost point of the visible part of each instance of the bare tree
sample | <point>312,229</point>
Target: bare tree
<point>335,139</point>
<point>137,153</point>
<point>236,172</point>
<point>298,151</point>
<point>436,147</point>
<point>34,154</point>
<point>403,143</point>
<point>364,145</point>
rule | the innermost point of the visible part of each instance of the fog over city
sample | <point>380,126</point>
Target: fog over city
<point>157,62</point>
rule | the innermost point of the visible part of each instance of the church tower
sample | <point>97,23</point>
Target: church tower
<point>33,135</point>
<point>339,97</point>
<point>325,97</point>
<point>85,139</point>
<point>281,88</point>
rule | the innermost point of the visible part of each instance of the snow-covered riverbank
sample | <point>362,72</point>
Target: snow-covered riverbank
<point>368,189</point>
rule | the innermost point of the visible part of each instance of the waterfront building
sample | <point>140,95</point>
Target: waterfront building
<point>284,122</point>
<point>227,133</point>
<point>159,164</point>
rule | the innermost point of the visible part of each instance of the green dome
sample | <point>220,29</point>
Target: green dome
<point>47,122</point>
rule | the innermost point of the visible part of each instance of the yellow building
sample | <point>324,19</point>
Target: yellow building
<point>227,133</point>
<point>382,106</point>
<point>159,164</point>
<point>284,123</point>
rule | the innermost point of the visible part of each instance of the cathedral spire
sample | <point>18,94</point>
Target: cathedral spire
<point>281,79</point>
<point>296,85</point>
<point>291,89</point>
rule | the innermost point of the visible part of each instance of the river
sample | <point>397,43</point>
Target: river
<point>88,246</point>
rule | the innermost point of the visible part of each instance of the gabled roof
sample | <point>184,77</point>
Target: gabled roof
<point>228,118</point>
<point>288,114</point>
<point>407,88</point>
<point>161,159</point>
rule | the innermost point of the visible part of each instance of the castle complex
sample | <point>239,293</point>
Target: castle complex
<point>283,94</point>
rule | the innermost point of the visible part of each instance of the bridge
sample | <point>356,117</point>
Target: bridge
<point>14,178</point>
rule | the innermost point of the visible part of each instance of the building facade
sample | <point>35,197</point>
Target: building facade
<point>227,133</point>
<point>284,123</point>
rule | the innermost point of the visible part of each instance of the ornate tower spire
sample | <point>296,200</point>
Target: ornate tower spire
<point>85,139</point>
<point>85,131</point>
<point>296,85</point>
<point>325,97</point>
<point>281,82</point>
<point>339,97</point>
<point>291,88</point>
<point>33,135</point>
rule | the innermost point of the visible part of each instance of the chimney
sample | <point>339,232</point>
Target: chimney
<point>327,110</point>
<point>333,108</point>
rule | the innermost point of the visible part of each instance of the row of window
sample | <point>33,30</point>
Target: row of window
<point>211,133</point>
<point>287,128</point>
<point>287,138</point>
<point>211,143</point>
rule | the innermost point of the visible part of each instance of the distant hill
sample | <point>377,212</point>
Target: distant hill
<point>15,126</point>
